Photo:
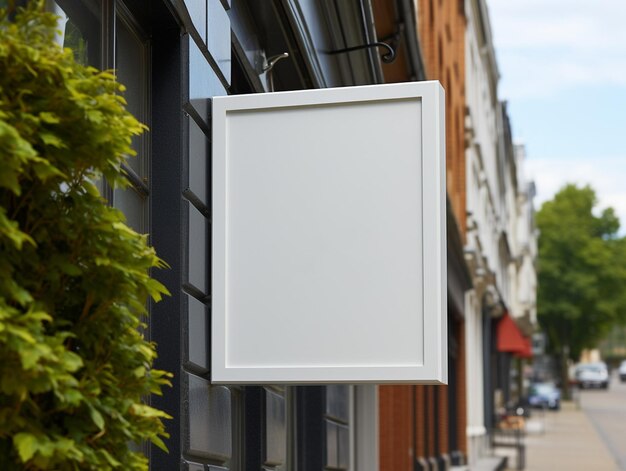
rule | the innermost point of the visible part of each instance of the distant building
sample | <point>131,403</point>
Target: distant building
<point>500,245</point>
<point>482,248</point>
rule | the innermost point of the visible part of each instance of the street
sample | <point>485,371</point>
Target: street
<point>607,412</point>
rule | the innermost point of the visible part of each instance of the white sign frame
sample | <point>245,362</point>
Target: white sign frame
<point>257,124</point>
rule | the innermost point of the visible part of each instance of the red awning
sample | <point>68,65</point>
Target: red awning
<point>510,338</point>
<point>528,349</point>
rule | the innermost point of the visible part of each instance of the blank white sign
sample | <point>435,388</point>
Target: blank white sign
<point>328,250</point>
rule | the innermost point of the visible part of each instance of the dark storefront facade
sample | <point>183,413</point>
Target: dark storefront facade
<point>174,56</point>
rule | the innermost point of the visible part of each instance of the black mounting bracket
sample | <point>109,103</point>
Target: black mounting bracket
<point>387,58</point>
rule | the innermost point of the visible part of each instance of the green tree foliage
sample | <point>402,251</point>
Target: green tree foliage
<point>74,279</point>
<point>582,270</point>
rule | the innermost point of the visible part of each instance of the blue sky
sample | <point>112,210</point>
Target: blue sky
<point>563,71</point>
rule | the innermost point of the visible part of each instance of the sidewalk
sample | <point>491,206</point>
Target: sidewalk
<point>565,440</point>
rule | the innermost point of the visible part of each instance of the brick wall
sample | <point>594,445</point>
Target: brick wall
<point>441,25</point>
<point>396,410</point>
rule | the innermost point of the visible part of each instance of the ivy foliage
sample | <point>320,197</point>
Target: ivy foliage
<point>74,279</point>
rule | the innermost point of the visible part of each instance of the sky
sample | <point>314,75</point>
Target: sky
<point>563,71</point>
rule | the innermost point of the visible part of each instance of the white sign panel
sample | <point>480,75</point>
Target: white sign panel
<point>328,249</point>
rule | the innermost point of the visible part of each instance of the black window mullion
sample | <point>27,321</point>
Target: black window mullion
<point>108,34</point>
<point>138,183</point>
<point>107,61</point>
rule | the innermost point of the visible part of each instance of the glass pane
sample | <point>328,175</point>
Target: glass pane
<point>131,56</point>
<point>79,23</point>
<point>132,204</point>
<point>132,71</point>
<point>79,28</point>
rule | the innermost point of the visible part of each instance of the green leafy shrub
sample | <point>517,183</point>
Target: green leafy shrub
<point>74,279</point>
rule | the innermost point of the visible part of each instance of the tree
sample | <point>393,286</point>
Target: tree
<point>582,273</point>
<point>74,279</point>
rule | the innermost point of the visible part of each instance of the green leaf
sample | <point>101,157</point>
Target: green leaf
<point>26,445</point>
<point>10,230</point>
<point>19,294</point>
<point>94,116</point>
<point>145,410</point>
<point>92,189</point>
<point>109,458</point>
<point>139,372</point>
<point>69,268</point>
<point>71,361</point>
<point>29,357</point>
<point>96,417</point>
<point>21,333</point>
<point>48,117</point>
<point>156,289</point>
<point>72,396</point>
<point>44,170</point>
<point>52,140</point>
<point>158,442</point>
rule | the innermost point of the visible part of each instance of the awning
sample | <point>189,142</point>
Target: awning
<point>528,349</point>
<point>510,338</point>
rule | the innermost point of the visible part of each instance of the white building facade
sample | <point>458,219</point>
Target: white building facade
<point>500,246</point>
<point>481,243</point>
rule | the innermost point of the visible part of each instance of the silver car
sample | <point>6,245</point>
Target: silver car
<point>592,375</point>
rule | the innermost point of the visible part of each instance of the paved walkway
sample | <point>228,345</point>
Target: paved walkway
<point>565,440</point>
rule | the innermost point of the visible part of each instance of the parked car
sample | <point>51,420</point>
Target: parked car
<point>622,371</point>
<point>592,375</point>
<point>544,395</point>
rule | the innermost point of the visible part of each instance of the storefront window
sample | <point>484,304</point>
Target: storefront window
<point>80,28</point>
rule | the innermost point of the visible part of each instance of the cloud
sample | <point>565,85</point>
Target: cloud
<point>530,76</point>
<point>544,46</point>
<point>607,179</point>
